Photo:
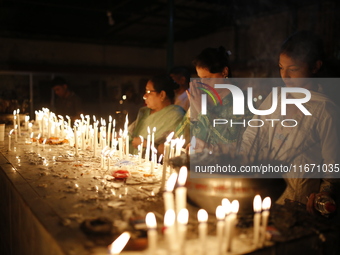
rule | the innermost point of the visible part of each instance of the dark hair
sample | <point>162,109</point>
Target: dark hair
<point>58,81</point>
<point>304,46</point>
<point>166,84</point>
<point>181,70</point>
<point>214,59</point>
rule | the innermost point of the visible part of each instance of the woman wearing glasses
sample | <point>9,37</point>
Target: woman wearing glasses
<point>159,113</point>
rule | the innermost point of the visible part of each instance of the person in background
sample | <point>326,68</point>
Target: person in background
<point>181,75</point>
<point>67,102</point>
<point>159,113</point>
<point>315,140</point>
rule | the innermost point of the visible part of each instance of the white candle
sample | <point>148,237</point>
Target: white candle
<point>109,131</point>
<point>257,218</point>
<point>118,245</point>
<point>168,195</point>
<point>140,149</point>
<point>220,215</point>
<point>147,152</point>
<point>232,223</point>
<point>169,232</point>
<point>9,139</point>
<point>166,158</point>
<point>18,123</point>
<point>120,144</point>
<point>75,140</point>
<point>153,142</point>
<point>68,120</point>
<point>127,148</point>
<point>181,191</point>
<point>151,223</point>
<point>227,209</point>
<point>182,221</point>
<point>95,139</point>
<point>30,127</point>
<point>14,118</point>
<point>16,133</point>
<point>265,215</point>
<point>202,216</point>
<point>113,132</point>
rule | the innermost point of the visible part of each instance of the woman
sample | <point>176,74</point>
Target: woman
<point>212,66</point>
<point>159,113</point>
<point>315,140</point>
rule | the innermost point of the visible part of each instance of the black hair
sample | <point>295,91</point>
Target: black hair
<point>58,81</point>
<point>166,84</point>
<point>213,59</point>
<point>304,46</point>
<point>181,70</point>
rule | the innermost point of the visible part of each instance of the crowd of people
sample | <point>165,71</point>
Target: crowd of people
<point>173,103</point>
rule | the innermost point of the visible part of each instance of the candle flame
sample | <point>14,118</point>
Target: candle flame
<point>148,130</point>
<point>183,216</point>
<point>226,205</point>
<point>168,139</point>
<point>14,112</point>
<point>10,132</point>
<point>110,118</point>
<point>154,129</point>
<point>118,245</point>
<point>266,203</point>
<point>18,111</point>
<point>182,176</point>
<point>170,184</point>
<point>150,220</point>
<point>169,218</point>
<point>67,117</point>
<point>257,203</point>
<point>202,215</point>
<point>235,206</point>
<point>220,214</point>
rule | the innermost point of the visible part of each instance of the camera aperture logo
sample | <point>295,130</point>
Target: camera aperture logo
<point>239,104</point>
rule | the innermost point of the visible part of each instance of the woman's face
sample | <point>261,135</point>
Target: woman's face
<point>152,98</point>
<point>292,70</point>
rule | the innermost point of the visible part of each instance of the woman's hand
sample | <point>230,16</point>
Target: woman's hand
<point>310,206</point>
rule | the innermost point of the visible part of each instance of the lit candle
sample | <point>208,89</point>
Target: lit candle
<point>168,196</point>
<point>265,215</point>
<point>113,132</point>
<point>118,245</point>
<point>151,223</point>
<point>95,139</point>
<point>68,120</point>
<point>120,144</point>
<point>75,140</point>
<point>109,131</point>
<point>257,218</point>
<point>153,141</point>
<point>227,209</point>
<point>202,216</point>
<point>232,223</point>
<point>127,141</point>
<point>9,139</point>
<point>18,123</point>
<point>170,235</point>
<point>140,148</point>
<point>220,215</point>
<point>166,158</point>
<point>147,152</point>
<point>181,191</point>
<point>182,221</point>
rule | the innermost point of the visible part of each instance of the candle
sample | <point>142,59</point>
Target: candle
<point>16,133</point>
<point>220,215</point>
<point>151,223</point>
<point>181,191</point>
<point>265,215</point>
<point>68,120</point>
<point>109,131</point>
<point>232,222</point>
<point>168,196</point>
<point>147,152</point>
<point>140,149</point>
<point>18,123</point>
<point>75,140</point>
<point>227,209</point>
<point>30,127</point>
<point>118,245</point>
<point>257,218</point>
<point>95,139</point>
<point>113,132</point>
<point>182,221</point>
<point>9,139</point>
<point>127,148</point>
<point>153,142</point>
<point>166,158</point>
<point>169,232</point>
<point>120,144</point>
<point>202,216</point>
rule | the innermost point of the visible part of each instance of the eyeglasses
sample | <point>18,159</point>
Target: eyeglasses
<point>149,91</point>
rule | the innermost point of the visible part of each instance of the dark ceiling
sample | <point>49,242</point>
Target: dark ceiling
<point>142,23</point>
